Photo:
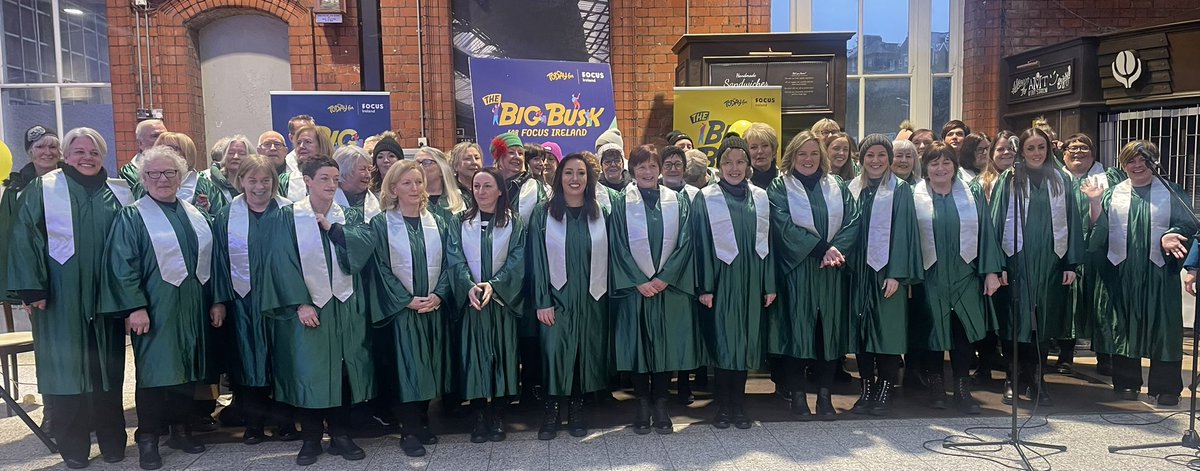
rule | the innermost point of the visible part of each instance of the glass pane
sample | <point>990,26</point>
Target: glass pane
<point>838,16</point>
<point>91,107</point>
<point>28,41</point>
<point>84,26</point>
<point>885,37</point>
<point>940,36</point>
<point>781,17</point>
<point>851,124</point>
<point>24,109</point>
<point>941,101</point>
<point>887,103</point>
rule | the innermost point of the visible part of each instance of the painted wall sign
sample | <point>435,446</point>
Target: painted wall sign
<point>1042,82</point>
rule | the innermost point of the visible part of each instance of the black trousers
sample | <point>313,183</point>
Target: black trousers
<point>878,365</point>
<point>987,349</point>
<point>962,352</point>
<point>1066,350</point>
<point>651,385</point>
<point>160,407</point>
<point>312,421</point>
<point>256,405</point>
<point>529,351</point>
<point>730,389</point>
<point>77,415</point>
<point>1164,376</point>
<point>822,369</point>
<point>1030,358</point>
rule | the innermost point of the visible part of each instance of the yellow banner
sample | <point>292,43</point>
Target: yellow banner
<point>705,113</point>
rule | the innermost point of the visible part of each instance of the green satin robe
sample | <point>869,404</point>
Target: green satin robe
<point>527,326</point>
<point>881,324</point>
<point>177,348</point>
<point>661,333</point>
<point>952,288</point>
<point>581,334</point>
<point>220,190</point>
<point>735,329</point>
<point>62,333</point>
<point>809,294</point>
<point>486,363</point>
<point>308,363</point>
<point>1144,319</point>
<point>416,346</point>
<point>1041,278</point>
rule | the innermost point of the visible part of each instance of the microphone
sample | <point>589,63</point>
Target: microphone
<point>1148,157</point>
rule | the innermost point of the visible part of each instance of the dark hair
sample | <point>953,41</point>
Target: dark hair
<point>534,151</point>
<point>966,151</point>
<point>503,212</point>
<point>557,206</point>
<point>643,153</point>
<point>310,167</point>
<point>934,151</point>
<point>1079,137</point>
<point>955,124</point>
<point>300,117</point>
<point>670,151</point>
<point>1056,184</point>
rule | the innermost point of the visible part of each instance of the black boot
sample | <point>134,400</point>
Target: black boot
<point>412,446</point>
<point>800,406</point>
<point>882,405</point>
<point>825,410</point>
<point>865,398</point>
<point>641,416</point>
<point>253,436</point>
<point>740,419</point>
<point>148,457</point>
<point>723,418</point>
<point>662,418</point>
<point>181,439</point>
<point>496,429</point>
<point>962,397</point>
<point>479,432</point>
<point>937,391</point>
<point>576,421</point>
<point>309,452</point>
<point>344,446</point>
<point>1007,399</point>
<point>1037,392</point>
<point>550,421</point>
<point>684,395</point>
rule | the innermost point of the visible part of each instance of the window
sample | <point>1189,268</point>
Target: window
<point>904,60</point>
<point>55,66</point>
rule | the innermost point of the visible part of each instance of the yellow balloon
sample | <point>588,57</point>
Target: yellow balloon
<point>6,160</point>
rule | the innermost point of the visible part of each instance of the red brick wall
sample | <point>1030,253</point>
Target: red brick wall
<point>398,18</point>
<point>176,65</point>
<point>998,28</point>
<point>643,65</point>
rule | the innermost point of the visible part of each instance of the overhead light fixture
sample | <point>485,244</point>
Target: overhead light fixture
<point>73,11</point>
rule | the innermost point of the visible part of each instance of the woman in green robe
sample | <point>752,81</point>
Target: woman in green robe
<point>221,174</point>
<point>159,267</point>
<point>316,310</point>
<point>1040,258</point>
<point>411,283</point>
<point>45,155</point>
<point>310,143</point>
<point>654,284</point>
<point>1144,231</point>
<point>354,187</point>
<point>961,259</point>
<point>569,280</point>
<point>80,355</point>
<point>736,277</point>
<point>243,234</point>
<point>489,289</point>
<point>815,223</point>
<point>884,263</point>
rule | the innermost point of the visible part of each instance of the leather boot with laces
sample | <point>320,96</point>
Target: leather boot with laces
<point>962,397</point>
<point>641,416</point>
<point>576,421</point>
<point>882,405</point>
<point>937,391</point>
<point>550,421</point>
<point>865,398</point>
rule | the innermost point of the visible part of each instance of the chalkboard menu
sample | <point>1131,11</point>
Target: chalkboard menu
<point>805,83</point>
<point>1042,82</point>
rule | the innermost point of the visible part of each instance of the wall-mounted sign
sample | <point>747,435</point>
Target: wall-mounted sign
<point>805,84</point>
<point>1042,82</point>
<point>329,18</point>
<point>330,6</point>
<point>1127,68</point>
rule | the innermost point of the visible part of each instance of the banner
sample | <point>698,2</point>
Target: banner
<point>705,113</point>
<point>346,117</point>
<point>569,103</point>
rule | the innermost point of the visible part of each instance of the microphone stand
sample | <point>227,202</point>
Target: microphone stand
<point>1014,434</point>
<point>1190,438</point>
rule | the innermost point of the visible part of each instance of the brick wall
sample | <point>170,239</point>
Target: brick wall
<point>643,65</point>
<point>998,28</point>
<point>174,27</point>
<point>398,20</point>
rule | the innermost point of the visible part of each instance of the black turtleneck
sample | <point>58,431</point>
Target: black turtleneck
<point>649,195</point>
<point>91,183</point>
<point>575,212</point>
<point>682,185</point>
<point>762,179</point>
<point>618,185</point>
<point>809,181</point>
<point>738,191</point>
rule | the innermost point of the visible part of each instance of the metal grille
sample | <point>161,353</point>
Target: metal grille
<point>1176,132</point>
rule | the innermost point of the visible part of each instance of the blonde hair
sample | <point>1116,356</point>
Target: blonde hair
<point>324,145</point>
<point>256,163</point>
<point>449,184</point>
<point>89,133</point>
<point>789,154</point>
<point>765,133</point>
<point>187,148</point>
<point>905,145</point>
<point>823,123</point>
<point>389,201</point>
<point>1146,149</point>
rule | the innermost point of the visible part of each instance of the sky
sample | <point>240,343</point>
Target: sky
<point>888,18</point>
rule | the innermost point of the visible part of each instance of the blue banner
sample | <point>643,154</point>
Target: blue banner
<point>569,103</point>
<point>348,117</point>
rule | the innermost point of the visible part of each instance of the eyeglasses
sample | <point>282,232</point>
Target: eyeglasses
<point>611,163</point>
<point>167,174</point>
<point>271,145</point>
<point>427,162</point>
<point>672,165</point>
<point>1079,149</point>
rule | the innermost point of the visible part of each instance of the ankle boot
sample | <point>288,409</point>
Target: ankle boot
<point>937,391</point>
<point>641,416</point>
<point>662,418</point>
<point>148,457</point>
<point>865,398</point>
<point>962,397</point>
<point>496,429</point>
<point>1037,392</point>
<point>344,446</point>
<point>576,421</point>
<point>309,452</point>
<point>412,446</point>
<point>1007,399</point>
<point>550,421</point>
<point>825,410</point>
<point>181,439</point>
<point>479,432</point>
<point>882,405</point>
<point>740,419</point>
<point>800,406</point>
